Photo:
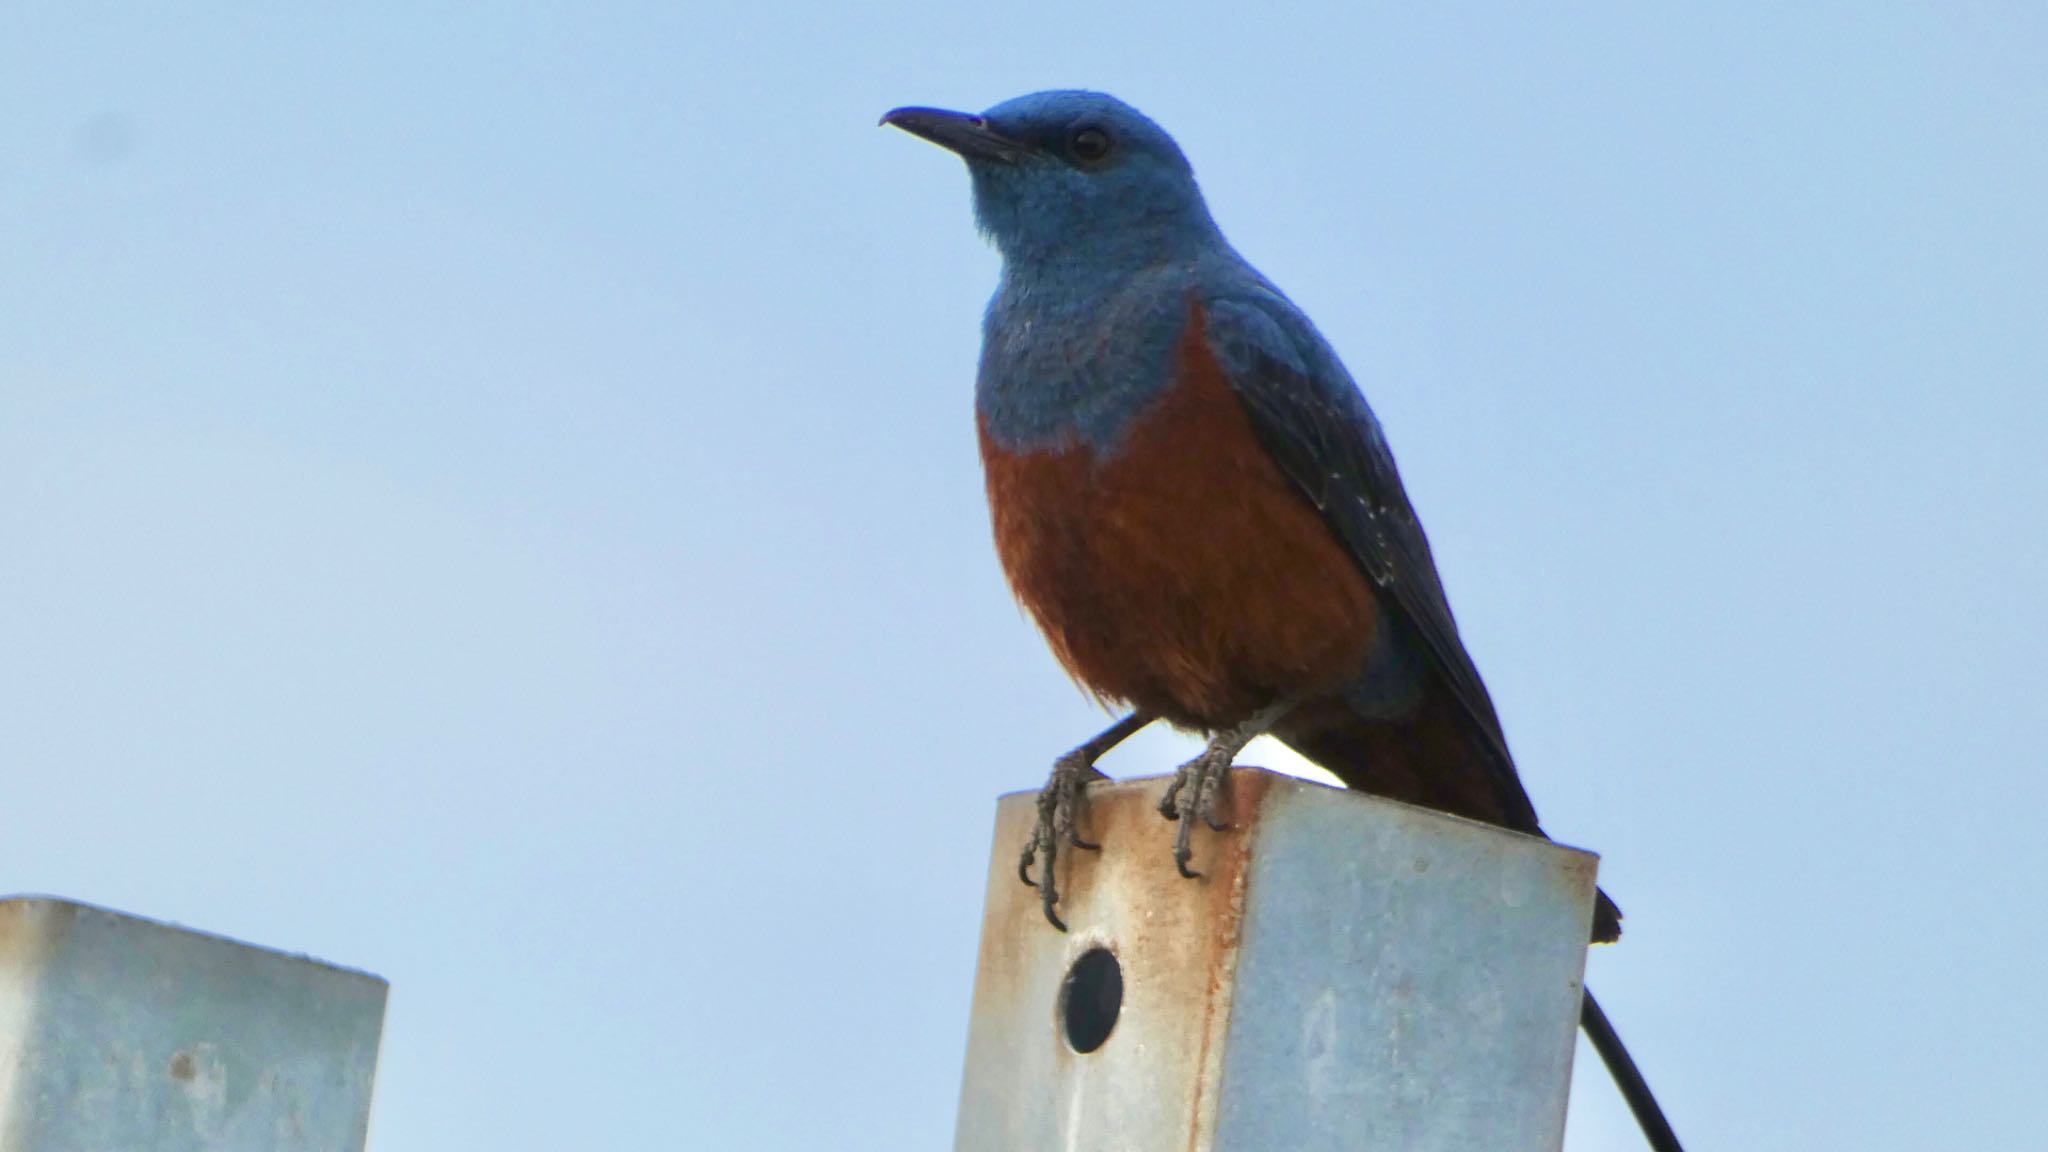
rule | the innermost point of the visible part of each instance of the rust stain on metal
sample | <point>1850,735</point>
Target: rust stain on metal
<point>1227,874</point>
<point>1176,940</point>
<point>32,924</point>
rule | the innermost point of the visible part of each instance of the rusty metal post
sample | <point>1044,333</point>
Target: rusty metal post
<point>118,1032</point>
<point>1347,973</point>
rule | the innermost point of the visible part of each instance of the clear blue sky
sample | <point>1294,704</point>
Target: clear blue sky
<point>490,497</point>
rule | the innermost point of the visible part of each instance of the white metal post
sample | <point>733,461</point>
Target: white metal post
<point>1347,973</point>
<point>122,1033</point>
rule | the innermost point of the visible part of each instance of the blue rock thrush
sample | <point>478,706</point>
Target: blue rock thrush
<point>1190,495</point>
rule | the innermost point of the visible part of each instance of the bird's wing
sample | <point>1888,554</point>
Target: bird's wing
<point>1314,421</point>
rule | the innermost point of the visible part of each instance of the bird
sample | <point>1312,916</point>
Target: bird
<point>1193,500</point>
<point>1191,496</point>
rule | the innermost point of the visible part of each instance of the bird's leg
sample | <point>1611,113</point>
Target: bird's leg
<point>1058,805</point>
<point>1198,784</point>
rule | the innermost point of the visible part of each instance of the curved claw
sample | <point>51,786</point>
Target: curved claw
<point>1169,801</point>
<point>1049,898</point>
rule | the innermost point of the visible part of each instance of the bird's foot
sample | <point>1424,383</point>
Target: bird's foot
<point>1059,804</point>
<point>1200,782</point>
<point>1193,794</point>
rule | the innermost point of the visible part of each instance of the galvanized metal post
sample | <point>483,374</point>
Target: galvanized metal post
<point>1347,973</point>
<point>122,1033</point>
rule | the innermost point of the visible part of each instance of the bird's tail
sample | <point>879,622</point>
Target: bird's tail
<point>1606,918</point>
<point>1427,756</point>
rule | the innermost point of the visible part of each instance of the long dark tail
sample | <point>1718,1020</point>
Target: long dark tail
<point>1627,1076</point>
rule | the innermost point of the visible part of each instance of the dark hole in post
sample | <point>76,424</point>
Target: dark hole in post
<point>1090,999</point>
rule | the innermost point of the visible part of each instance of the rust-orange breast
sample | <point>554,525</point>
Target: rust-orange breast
<point>1184,573</point>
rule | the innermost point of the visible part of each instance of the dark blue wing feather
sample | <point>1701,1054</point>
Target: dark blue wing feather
<point>1317,426</point>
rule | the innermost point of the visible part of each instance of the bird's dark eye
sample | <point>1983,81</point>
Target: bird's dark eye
<point>1088,144</point>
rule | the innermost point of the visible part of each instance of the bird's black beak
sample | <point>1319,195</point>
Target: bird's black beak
<point>961,132</point>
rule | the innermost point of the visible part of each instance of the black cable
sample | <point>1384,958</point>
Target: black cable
<point>1627,1077</point>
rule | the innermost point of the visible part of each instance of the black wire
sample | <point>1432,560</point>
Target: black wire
<point>1627,1077</point>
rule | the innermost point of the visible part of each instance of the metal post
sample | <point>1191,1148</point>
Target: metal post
<point>122,1033</point>
<point>1348,973</point>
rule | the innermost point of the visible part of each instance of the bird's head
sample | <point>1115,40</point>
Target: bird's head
<point>1066,173</point>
